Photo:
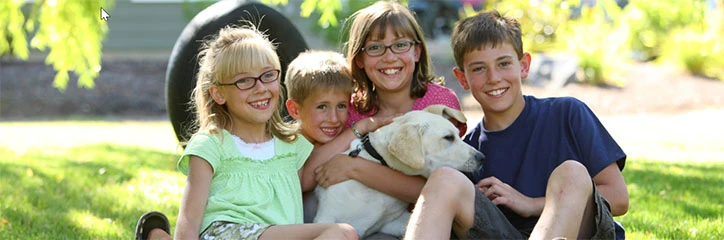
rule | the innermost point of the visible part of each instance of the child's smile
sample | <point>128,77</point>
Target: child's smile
<point>497,92</point>
<point>261,104</point>
<point>390,71</point>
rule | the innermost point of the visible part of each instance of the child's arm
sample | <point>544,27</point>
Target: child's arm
<point>609,182</point>
<point>611,185</point>
<point>194,199</point>
<point>503,194</point>
<point>376,176</point>
<point>324,153</point>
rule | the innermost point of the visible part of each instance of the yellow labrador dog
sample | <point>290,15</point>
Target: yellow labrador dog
<point>415,143</point>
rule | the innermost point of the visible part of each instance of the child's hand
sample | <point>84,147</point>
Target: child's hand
<point>336,170</point>
<point>371,124</point>
<point>503,194</point>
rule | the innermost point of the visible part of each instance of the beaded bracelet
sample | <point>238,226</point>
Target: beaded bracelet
<point>355,131</point>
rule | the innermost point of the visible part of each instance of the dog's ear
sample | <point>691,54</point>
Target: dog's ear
<point>435,109</point>
<point>406,145</point>
<point>455,116</point>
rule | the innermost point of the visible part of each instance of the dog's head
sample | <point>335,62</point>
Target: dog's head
<point>419,142</point>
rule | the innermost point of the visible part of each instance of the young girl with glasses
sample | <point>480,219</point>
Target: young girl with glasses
<point>393,75</point>
<point>244,163</point>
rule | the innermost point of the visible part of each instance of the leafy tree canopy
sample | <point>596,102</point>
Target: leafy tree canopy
<point>70,30</point>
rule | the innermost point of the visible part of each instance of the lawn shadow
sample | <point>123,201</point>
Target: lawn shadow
<point>45,192</point>
<point>669,198</point>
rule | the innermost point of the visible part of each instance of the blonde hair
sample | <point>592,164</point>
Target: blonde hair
<point>234,50</point>
<point>317,70</point>
<point>377,17</point>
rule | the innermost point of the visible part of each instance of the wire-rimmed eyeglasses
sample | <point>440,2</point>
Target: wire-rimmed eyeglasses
<point>250,82</point>
<point>378,49</point>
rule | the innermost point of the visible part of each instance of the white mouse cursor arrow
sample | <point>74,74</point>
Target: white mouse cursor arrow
<point>104,15</point>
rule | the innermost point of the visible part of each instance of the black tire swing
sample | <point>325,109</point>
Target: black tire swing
<point>183,62</point>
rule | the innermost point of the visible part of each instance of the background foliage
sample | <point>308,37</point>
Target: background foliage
<point>601,34</point>
<point>698,46</point>
<point>71,31</point>
<point>650,22</point>
<point>330,14</point>
<point>604,35</point>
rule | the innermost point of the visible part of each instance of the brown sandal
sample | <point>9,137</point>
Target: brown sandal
<point>148,222</point>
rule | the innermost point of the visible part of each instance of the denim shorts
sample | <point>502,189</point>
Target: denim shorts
<point>491,223</point>
<point>229,230</point>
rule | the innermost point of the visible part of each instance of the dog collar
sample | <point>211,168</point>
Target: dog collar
<point>368,147</point>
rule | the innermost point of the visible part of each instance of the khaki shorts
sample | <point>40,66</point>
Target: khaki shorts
<point>491,223</point>
<point>228,230</point>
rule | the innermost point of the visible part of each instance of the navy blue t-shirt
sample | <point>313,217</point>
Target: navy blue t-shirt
<point>547,132</point>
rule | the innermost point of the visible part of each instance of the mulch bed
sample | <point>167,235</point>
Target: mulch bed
<point>136,88</point>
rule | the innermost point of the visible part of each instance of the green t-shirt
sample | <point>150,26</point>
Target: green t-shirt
<point>250,191</point>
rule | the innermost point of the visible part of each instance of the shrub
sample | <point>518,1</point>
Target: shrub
<point>698,47</point>
<point>334,27</point>
<point>592,32</point>
<point>539,21</point>
<point>597,37</point>
<point>650,23</point>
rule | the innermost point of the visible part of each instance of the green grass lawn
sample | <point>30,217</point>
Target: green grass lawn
<point>99,191</point>
<point>86,192</point>
<point>671,200</point>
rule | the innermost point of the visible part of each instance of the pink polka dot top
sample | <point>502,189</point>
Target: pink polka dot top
<point>435,94</point>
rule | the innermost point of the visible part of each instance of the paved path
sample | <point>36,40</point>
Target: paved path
<point>697,135</point>
<point>32,136</point>
<point>693,136</point>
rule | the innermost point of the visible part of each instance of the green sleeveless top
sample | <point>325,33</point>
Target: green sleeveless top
<point>244,190</point>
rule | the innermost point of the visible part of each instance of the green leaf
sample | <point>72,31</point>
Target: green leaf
<point>11,29</point>
<point>70,30</point>
<point>307,7</point>
<point>61,80</point>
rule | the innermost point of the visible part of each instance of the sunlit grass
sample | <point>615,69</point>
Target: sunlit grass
<point>87,192</point>
<point>674,200</point>
<point>98,192</point>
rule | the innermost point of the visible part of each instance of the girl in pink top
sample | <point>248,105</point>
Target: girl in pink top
<point>393,75</point>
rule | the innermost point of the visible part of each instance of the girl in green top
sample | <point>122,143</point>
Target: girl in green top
<point>244,164</point>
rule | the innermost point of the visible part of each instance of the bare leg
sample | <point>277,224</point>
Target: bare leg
<point>447,201</point>
<point>568,200</point>
<point>158,234</point>
<point>588,223</point>
<point>311,231</point>
<point>299,231</point>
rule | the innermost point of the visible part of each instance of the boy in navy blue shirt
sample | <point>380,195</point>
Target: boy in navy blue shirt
<point>551,170</point>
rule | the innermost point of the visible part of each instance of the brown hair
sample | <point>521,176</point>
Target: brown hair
<point>232,51</point>
<point>483,29</point>
<point>317,70</point>
<point>374,19</point>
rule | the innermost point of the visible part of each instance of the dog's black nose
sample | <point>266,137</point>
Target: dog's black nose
<point>479,157</point>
